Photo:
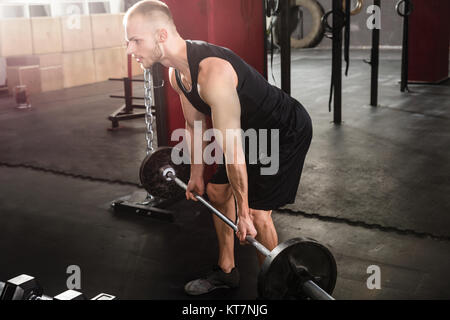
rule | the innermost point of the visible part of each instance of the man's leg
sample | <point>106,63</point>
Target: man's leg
<point>226,275</point>
<point>267,234</point>
<point>221,197</point>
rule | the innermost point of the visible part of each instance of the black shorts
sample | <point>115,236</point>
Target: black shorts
<point>269,192</point>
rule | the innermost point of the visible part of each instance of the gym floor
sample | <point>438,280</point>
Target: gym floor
<point>374,190</point>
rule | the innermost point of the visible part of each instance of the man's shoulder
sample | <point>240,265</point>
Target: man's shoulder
<point>215,47</point>
<point>213,69</point>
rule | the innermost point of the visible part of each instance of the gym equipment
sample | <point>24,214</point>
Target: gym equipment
<point>326,25</point>
<point>151,179</point>
<point>272,7</point>
<point>357,9</point>
<point>139,202</point>
<point>408,9</point>
<point>291,265</point>
<point>428,58</point>
<point>126,112</point>
<point>341,20</point>
<point>299,268</point>
<point>334,32</point>
<point>66,295</point>
<point>104,296</point>
<point>285,48</point>
<point>374,62</point>
<point>25,287</point>
<point>22,287</point>
<point>316,33</point>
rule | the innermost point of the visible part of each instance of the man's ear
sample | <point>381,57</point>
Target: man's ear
<point>161,35</point>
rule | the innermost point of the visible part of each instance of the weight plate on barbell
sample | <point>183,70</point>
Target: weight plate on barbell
<point>278,278</point>
<point>152,179</point>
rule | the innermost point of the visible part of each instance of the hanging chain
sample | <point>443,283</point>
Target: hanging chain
<point>149,119</point>
<point>148,101</point>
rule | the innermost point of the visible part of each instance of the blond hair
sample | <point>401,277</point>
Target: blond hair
<point>150,9</point>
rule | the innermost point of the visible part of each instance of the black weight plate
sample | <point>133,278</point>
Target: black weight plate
<point>278,279</point>
<point>152,179</point>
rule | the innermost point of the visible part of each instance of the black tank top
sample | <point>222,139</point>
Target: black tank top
<point>263,106</point>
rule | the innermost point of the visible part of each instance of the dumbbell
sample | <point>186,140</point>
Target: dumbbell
<point>74,295</point>
<point>25,287</point>
<point>22,287</point>
<point>104,296</point>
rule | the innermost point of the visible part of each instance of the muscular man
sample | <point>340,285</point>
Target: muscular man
<point>213,81</point>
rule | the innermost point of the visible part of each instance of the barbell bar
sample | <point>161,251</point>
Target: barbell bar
<point>299,268</point>
<point>311,289</point>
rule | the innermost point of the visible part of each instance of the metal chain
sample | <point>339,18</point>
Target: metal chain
<point>148,101</point>
<point>149,118</point>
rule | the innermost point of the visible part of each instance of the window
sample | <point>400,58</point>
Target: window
<point>56,8</point>
<point>99,7</point>
<point>10,11</point>
<point>40,11</point>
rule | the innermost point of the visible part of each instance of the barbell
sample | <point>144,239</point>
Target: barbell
<point>300,268</point>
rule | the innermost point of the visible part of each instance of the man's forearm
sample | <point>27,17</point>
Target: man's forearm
<point>237,175</point>
<point>197,165</point>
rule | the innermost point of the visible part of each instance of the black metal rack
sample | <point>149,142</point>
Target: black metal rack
<point>126,111</point>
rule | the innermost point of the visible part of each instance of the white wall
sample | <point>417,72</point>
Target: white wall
<point>20,8</point>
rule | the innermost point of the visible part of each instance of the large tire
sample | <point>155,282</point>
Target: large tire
<point>315,36</point>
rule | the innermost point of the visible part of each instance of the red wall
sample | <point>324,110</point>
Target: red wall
<point>429,32</point>
<point>235,24</point>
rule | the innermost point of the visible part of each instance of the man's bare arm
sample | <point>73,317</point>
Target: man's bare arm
<point>191,115</point>
<point>217,87</point>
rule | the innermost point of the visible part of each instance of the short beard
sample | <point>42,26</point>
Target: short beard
<point>157,53</point>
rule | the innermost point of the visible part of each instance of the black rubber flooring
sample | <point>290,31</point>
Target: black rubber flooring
<point>384,167</point>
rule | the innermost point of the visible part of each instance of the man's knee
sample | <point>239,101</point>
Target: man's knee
<point>218,193</point>
<point>261,218</point>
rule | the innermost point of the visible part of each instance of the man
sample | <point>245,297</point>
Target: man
<point>213,81</point>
